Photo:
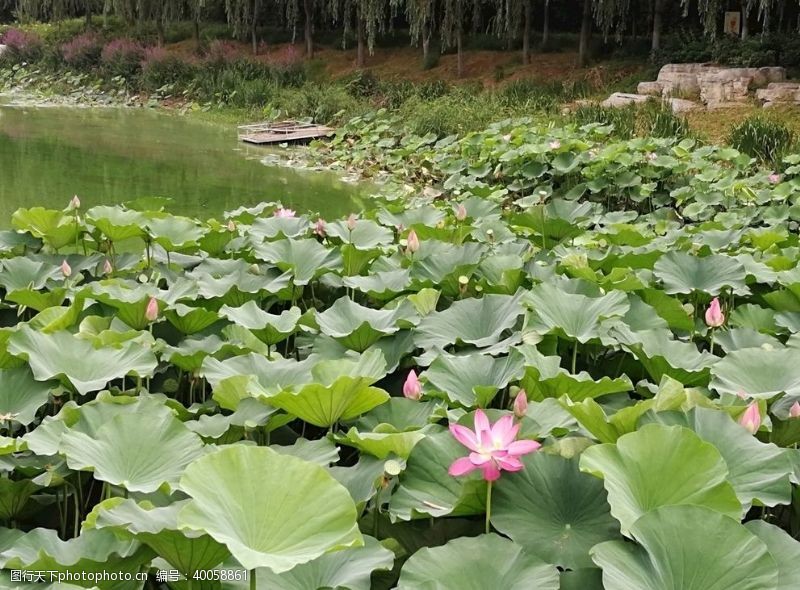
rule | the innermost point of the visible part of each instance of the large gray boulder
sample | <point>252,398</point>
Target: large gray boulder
<point>779,92</point>
<point>733,85</point>
<point>623,99</point>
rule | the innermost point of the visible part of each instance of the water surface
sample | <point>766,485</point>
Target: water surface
<point>110,155</point>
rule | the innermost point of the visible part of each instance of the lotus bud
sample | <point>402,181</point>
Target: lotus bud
<point>151,311</point>
<point>774,178</point>
<point>521,404</point>
<point>75,203</point>
<point>412,242</point>
<point>490,235</point>
<point>319,228</point>
<point>794,411</point>
<point>107,268</point>
<point>714,316</point>
<point>751,419</point>
<point>463,281</point>
<point>351,221</point>
<point>231,225</point>
<point>66,269</point>
<point>461,212</point>
<point>412,388</point>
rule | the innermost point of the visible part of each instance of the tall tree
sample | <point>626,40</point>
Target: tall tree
<point>586,33</point>
<point>546,23</point>
<point>53,10</point>
<point>455,14</point>
<point>421,17</point>
<point>369,18</point>
<point>243,17</point>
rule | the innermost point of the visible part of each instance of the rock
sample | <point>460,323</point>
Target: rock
<point>779,92</point>
<point>650,88</point>
<point>682,78</point>
<point>3,49</point>
<point>623,99</point>
<point>681,105</point>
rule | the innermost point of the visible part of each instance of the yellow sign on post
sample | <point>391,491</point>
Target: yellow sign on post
<point>733,22</point>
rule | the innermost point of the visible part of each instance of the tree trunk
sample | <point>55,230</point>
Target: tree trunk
<point>254,28</point>
<point>745,27</point>
<point>460,52</point>
<point>88,14</point>
<point>426,44</point>
<point>658,17</point>
<point>526,34</point>
<point>586,33</point>
<point>360,53</point>
<point>308,8</point>
<point>546,24</point>
<point>160,31</point>
<point>197,30</point>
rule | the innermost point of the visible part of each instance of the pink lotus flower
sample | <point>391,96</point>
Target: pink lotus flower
<point>412,241</point>
<point>284,212</point>
<point>461,212</point>
<point>794,411</point>
<point>555,144</point>
<point>494,448</point>
<point>751,419</point>
<point>107,268</point>
<point>521,404</point>
<point>319,228</point>
<point>774,178</point>
<point>351,221</point>
<point>66,269</point>
<point>151,311</point>
<point>714,316</point>
<point>412,388</point>
<point>75,203</point>
<point>652,156</point>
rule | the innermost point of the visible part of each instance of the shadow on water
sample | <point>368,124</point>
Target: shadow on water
<point>109,156</point>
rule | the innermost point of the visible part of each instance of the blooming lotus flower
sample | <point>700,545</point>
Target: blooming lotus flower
<point>151,311</point>
<point>461,212</point>
<point>714,316</point>
<point>107,268</point>
<point>774,178</point>
<point>652,156</point>
<point>351,221</point>
<point>794,411</point>
<point>412,388</point>
<point>75,203</point>
<point>521,404</point>
<point>284,212</point>
<point>66,269</point>
<point>555,144</point>
<point>751,419</point>
<point>412,242</point>
<point>319,228</point>
<point>493,447</point>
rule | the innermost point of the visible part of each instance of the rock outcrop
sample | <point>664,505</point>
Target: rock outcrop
<point>623,99</point>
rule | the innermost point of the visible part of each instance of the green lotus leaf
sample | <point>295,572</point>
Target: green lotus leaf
<point>63,355</point>
<point>134,451</point>
<point>21,395</point>
<point>286,512</point>
<point>14,496</point>
<point>269,328</point>
<point>234,279</point>
<point>576,316</point>
<point>358,327</point>
<point>173,232</point>
<point>687,548</point>
<point>582,579</point>
<point>21,273</point>
<point>684,273</point>
<point>366,235</point>
<point>190,352</point>
<point>93,552</point>
<point>784,549</point>
<point>480,322</point>
<point>661,466</point>
<point>383,444</point>
<point>493,562</point>
<point>157,527</point>
<point>321,451</point>
<point>473,380</point>
<point>274,227</point>
<point>55,228</point>
<point>760,373</point>
<point>348,568</point>
<point>553,510</point>
<point>305,259</point>
<point>116,223</point>
<point>444,263</point>
<point>758,471</point>
<point>128,299</point>
<point>557,220</point>
<point>741,338</point>
<point>190,320</point>
<point>426,489</point>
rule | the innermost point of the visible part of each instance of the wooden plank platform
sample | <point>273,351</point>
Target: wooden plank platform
<point>281,132</point>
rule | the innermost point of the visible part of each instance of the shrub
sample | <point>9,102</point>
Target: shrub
<point>623,119</point>
<point>763,138</point>
<point>363,84</point>
<point>286,57</point>
<point>326,104</point>
<point>83,51</point>
<point>222,52</point>
<point>122,57</point>
<point>161,68</point>
<point>22,46</point>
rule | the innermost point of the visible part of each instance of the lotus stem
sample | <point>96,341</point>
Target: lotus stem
<point>488,507</point>
<point>253,584</point>
<point>574,356</point>
<point>712,341</point>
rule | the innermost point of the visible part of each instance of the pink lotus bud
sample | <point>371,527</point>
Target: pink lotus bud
<point>412,241</point>
<point>319,228</point>
<point>351,221</point>
<point>284,212</point>
<point>521,404</point>
<point>66,269</point>
<point>412,388</point>
<point>751,419</point>
<point>714,316</point>
<point>151,311</point>
<point>231,225</point>
<point>461,212</point>
<point>774,178</point>
<point>794,411</point>
<point>652,156</point>
<point>75,203</point>
<point>107,268</point>
<point>555,144</point>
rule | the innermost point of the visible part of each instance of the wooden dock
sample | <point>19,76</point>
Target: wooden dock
<point>282,132</point>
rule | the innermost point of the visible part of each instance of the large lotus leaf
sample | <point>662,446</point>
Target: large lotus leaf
<point>173,232</point>
<point>305,259</point>
<point>480,322</point>
<point>116,223</point>
<point>445,261</point>
<point>576,316</point>
<point>190,320</point>
<point>661,466</point>
<point>759,373</point>
<point>55,228</point>
<point>14,495</point>
<point>22,273</point>
<point>349,569</point>
<point>687,548</point>
<point>426,489</point>
<point>157,527</point>
<point>230,278</point>
<point>93,552</point>
<point>758,471</point>
<point>270,328</point>
<point>134,451</point>
<point>380,285</point>
<point>553,510</point>
<point>358,327</point>
<point>544,378</point>
<point>384,442</point>
<point>189,353</point>
<point>274,227</point>
<point>62,354</point>
<point>477,563</point>
<point>784,549</point>
<point>285,512</point>
<point>684,273</point>
<point>473,380</point>
<point>21,395</point>
<point>365,235</point>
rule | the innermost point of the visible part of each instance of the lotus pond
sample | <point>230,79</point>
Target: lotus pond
<point>573,364</point>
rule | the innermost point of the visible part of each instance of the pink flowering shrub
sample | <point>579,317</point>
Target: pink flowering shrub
<point>286,57</point>
<point>122,57</point>
<point>160,68</point>
<point>82,51</point>
<point>22,45</point>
